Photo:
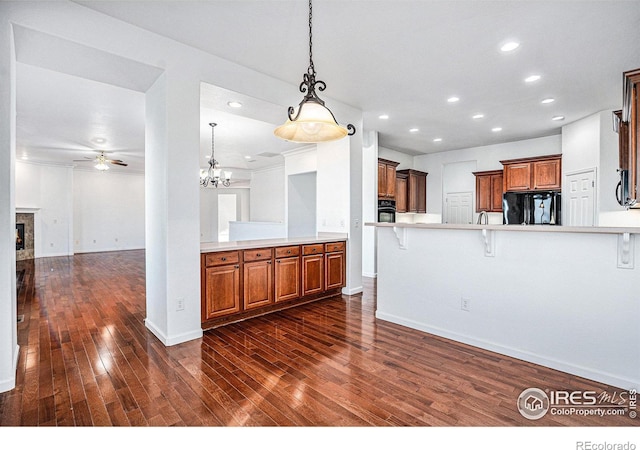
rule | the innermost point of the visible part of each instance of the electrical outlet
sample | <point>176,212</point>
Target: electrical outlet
<point>180,304</point>
<point>465,304</point>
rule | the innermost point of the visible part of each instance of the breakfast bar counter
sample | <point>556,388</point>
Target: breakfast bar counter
<point>563,297</point>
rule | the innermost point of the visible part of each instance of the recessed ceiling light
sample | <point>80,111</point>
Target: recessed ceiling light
<point>548,100</point>
<point>414,130</point>
<point>99,140</point>
<point>532,78</point>
<point>247,157</point>
<point>383,116</point>
<point>453,99</point>
<point>557,118</point>
<point>478,116</point>
<point>437,140</point>
<point>510,46</point>
<point>496,129</point>
<point>25,157</point>
<point>234,104</point>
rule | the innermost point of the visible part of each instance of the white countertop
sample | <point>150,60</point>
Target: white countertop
<point>208,247</point>
<point>530,228</point>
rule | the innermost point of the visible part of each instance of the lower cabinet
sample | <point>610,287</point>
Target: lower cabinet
<point>223,285</point>
<point>240,284</point>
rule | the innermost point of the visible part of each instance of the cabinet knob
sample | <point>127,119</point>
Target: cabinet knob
<point>258,254</point>
<point>278,261</point>
<point>224,258</point>
<point>288,251</point>
<point>268,262</point>
<point>236,267</point>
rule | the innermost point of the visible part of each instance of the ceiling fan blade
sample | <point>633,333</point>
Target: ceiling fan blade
<point>117,163</point>
<point>114,160</point>
<point>83,160</point>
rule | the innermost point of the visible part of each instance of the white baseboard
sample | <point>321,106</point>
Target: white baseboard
<point>172,340</point>
<point>585,372</point>
<point>352,291</point>
<point>9,384</point>
<point>369,275</point>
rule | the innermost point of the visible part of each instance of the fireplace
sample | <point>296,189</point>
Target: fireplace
<point>19,236</point>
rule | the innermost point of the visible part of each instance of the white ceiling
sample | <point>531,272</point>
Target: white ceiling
<point>401,58</point>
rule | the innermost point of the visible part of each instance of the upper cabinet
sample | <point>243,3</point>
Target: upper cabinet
<point>542,173</point>
<point>414,198</point>
<point>489,186</point>
<point>627,124</point>
<point>387,179</point>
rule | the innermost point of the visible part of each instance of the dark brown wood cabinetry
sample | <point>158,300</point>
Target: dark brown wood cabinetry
<point>244,283</point>
<point>387,179</point>
<point>542,173</point>
<point>402,182</point>
<point>489,185</point>
<point>287,273</point>
<point>627,125</point>
<point>415,193</point>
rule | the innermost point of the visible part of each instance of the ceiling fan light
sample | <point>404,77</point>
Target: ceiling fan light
<point>101,166</point>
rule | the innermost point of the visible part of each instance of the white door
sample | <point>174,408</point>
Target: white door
<point>580,204</point>
<point>459,207</point>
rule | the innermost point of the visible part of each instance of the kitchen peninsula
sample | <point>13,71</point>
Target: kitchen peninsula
<point>563,297</point>
<point>244,279</point>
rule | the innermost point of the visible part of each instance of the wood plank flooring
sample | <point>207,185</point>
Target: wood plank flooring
<point>87,359</point>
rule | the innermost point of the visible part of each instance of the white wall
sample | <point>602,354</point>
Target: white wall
<point>301,205</point>
<point>551,298</point>
<point>209,210</point>
<point>267,195</point>
<point>369,201</point>
<point>406,161</point>
<point>49,188</point>
<point>108,211</point>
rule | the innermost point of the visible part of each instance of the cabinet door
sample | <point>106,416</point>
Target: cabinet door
<point>401,195</point>
<point>382,180</point>
<point>517,177</point>
<point>547,174</point>
<point>483,192</point>
<point>334,270</point>
<point>287,274</point>
<point>258,284</point>
<point>413,193</point>
<point>391,181</point>
<point>496,193</point>
<point>421,206</point>
<point>312,274</point>
<point>222,291</point>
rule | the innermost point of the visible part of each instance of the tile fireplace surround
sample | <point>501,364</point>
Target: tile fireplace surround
<point>28,251</point>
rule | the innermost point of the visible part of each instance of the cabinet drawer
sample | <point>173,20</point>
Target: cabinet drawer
<point>312,249</point>
<point>334,247</point>
<point>257,254</point>
<point>221,258</point>
<point>284,252</point>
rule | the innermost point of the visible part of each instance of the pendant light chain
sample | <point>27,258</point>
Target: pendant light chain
<point>312,70</point>
<point>213,159</point>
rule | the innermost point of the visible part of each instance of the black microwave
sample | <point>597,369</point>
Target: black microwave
<point>387,211</point>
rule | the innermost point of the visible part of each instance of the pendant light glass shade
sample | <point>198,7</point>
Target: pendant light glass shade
<point>315,123</point>
<point>312,121</point>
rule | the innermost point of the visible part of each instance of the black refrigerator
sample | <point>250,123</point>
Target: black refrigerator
<point>532,208</point>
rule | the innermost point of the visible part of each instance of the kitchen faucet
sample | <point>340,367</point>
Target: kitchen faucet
<point>483,218</point>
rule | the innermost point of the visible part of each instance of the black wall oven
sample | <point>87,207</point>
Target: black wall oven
<point>386,211</point>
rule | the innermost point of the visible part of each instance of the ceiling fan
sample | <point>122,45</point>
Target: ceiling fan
<point>101,161</point>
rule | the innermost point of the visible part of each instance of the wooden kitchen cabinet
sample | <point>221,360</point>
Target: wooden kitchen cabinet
<point>287,274</point>
<point>334,265</point>
<point>489,185</point>
<point>542,173</point>
<point>221,286</point>
<point>240,284</point>
<point>401,192</point>
<point>387,179</point>
<point>416,190</point>
<point>312,269</point>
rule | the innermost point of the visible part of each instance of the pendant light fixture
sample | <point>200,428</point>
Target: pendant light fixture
<point>312,121</point>
<point>212,175</point>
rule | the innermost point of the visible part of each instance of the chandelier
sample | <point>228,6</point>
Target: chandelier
<point>312,121</point>
<point>212,174</point>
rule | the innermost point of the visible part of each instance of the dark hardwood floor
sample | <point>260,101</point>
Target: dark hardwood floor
<point>86,359</point>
